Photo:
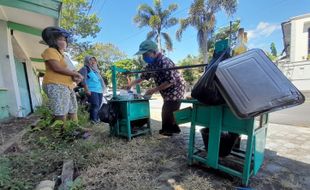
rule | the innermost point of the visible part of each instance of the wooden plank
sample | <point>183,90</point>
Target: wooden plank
<point>66,175</point>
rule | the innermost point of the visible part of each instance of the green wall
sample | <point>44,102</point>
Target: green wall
<point>4,109</point>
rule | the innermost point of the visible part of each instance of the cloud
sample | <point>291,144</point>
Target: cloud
<point>263,29</point>
<point>263,45</point>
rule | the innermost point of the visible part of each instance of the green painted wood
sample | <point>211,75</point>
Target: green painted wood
<point>115,70</point>
<point>215,129</point>
<point>183,115</point>
<point>114,80</point>
<point>219,119</point>
<point>131,111</point>
<point>23,87</point>
<point>221,45</point>
<point>138,86</point>
<point>230,121</point>
<point>230,171</point>
<point>203,115</point>
<point>138,110</point>
<point>191,144</point>
<point>45,7</point>
<point>259,148</point>
<point>199,159</point>
<point>40,60</point>
<point>4,107</point>
<point>128,125</point>
<point>24,28</point>
<point>248,154</point>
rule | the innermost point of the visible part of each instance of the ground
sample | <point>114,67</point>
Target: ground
<point>150,162</point>
<point>12,126</point>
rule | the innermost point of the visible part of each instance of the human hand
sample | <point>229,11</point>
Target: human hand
<point>128,87</point>
<point>88,93</point>
<point>150,92</point>
<point>77,80</point>
<point>77,75</point>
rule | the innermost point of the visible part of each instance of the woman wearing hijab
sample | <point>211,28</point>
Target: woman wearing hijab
<point>93,85</point>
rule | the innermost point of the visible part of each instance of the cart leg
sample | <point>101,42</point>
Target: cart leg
<point>192,133</point>
<point>191,144</point>
<point>128,130</point>
<point>116,128</point>
<point>215,128</point>
<point>149,126</point>
<point>113,129</point>
<point>248,158</point>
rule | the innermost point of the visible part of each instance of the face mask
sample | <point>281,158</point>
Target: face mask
<point>149,60</point>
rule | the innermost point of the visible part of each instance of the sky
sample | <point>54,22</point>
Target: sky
<point>261,19</point>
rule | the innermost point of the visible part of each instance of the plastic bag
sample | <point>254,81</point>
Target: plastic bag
<point>205,89</point>
<point>108,113</point>
<point>227,142</point>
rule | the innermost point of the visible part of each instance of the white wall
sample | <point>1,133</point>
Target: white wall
<point>298,69</point>
<point>34,87</point>
<point>7,65</point>
<point>299,39</point>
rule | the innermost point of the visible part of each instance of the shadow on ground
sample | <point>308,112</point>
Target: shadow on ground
<point>157,162</point>
<point>277,172</point>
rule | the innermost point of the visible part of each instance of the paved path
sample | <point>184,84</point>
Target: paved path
<point>298,116</point>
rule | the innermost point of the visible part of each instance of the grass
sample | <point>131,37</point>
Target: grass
<point>44,157</point>
<point>104,162</point>
<point>101,162</point>
<point>44,148</point>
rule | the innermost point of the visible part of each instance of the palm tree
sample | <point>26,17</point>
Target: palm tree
<point>157,19</point>
<point>202,17</point>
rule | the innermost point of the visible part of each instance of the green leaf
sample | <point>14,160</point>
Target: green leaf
<point>157,19</point>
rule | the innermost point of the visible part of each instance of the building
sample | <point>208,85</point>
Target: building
<point>21,24</point>
<point>296,62</point>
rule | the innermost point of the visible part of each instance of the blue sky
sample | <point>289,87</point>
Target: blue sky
<point>261,19</point>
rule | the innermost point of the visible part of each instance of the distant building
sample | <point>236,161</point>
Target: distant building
<point>296,62</point>
<point>21,24</point>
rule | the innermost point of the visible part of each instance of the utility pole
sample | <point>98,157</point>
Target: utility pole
<point>230,31</point>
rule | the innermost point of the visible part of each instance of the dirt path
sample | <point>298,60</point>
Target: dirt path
<point>12,130</point>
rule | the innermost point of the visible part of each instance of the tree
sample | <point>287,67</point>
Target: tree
<point>106,55</point>
<point>130,65</point>
<point>191,75</point>
<point>224,33</point>
<point>271,57</point>
<point>75,18</point>
<point>157,19</point>
<point>202,17</point>
<point>273,49</point>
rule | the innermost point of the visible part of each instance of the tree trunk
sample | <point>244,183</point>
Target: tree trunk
<point>205,55</point>
<point>159,41</point>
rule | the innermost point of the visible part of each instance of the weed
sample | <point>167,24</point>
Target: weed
<point>6,180</point>
<point>76,184</point>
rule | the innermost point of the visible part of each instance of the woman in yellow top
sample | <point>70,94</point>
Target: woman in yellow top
<point>58,81</point>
